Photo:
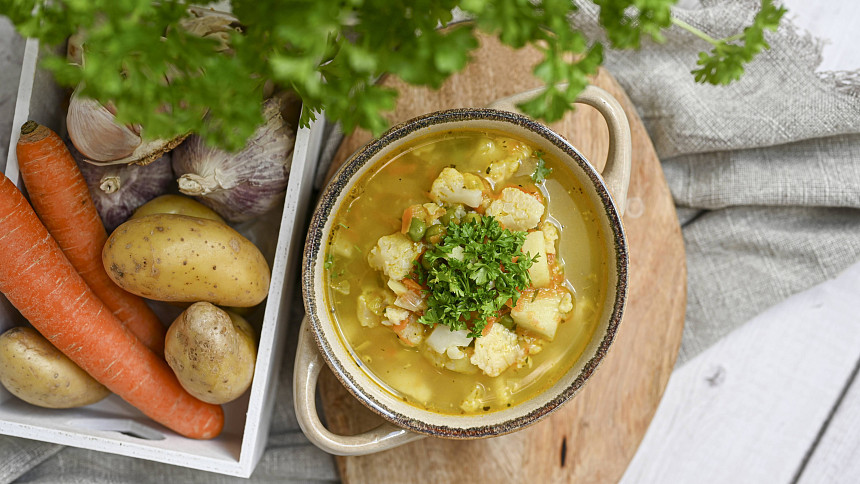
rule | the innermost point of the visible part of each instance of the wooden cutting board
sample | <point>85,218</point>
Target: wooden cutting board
<point>595,435</point>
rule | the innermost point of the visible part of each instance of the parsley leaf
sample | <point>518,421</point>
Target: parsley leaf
<point>331,53</point>
<point>726,61</point>
<point>472,273</point>
<point>625,21</point>
<point>541,171</point>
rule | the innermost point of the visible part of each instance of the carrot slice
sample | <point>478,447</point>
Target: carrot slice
<point>60,196</point>
<point>490,322</point>
<point>406,220</point>
<point>37,279</point>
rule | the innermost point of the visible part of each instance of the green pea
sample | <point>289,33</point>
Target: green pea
<point>450,215</point>
<point>472,217</point>
<point>507,321</point>
<point>434,233</point>
<point>447,217</point>
<point>417,227</point>
<point>425,263</point>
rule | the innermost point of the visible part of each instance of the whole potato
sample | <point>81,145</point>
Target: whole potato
<point>177,258</point>
<point>212,352</point>
<point>32,369</point>
<point>176,204</point>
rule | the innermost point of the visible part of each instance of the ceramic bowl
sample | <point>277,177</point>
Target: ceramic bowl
<point>320,343</point>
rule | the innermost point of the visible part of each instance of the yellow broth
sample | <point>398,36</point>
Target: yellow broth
<point>374,208</point>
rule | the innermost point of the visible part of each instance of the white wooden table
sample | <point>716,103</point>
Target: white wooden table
<point>776,401</point>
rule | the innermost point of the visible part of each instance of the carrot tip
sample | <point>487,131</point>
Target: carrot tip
<point>29,127</point>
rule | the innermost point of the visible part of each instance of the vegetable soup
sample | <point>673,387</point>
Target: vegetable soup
<point>466,273</point>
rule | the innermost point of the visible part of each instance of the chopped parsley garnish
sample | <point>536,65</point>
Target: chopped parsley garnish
<point>541,171</point>
<point>472,273</point>
<point>331,54</point>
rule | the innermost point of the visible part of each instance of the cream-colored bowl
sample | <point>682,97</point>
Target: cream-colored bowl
<point>320,342</point>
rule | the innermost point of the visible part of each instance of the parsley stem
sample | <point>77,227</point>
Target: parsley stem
<point>693,30</point>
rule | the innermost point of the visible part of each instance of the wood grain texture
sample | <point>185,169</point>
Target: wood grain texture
<point>594,436</point>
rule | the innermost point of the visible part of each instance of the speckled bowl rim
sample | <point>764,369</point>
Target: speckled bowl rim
<point>315,243</point>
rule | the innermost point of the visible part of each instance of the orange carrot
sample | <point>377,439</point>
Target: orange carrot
<point>59,195</point>
<point>406,220</point>
<point>412,285</point>
<point>490,322</point>
<point>37,279</point>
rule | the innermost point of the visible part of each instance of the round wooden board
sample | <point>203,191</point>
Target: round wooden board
<point>594,436</point>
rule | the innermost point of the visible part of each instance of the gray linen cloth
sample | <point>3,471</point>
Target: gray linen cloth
<point>765,174</point>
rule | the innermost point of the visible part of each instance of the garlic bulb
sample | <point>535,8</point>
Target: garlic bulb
<point>95,133</point>
<point>239,186</point>
<point>75,48</point>
<point>118,190</point>
<point>211,24</point>
<point>100,139</point>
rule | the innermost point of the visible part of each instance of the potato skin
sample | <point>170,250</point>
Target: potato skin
<point>35,371</point>
<point>176,258</point>
<point>212,352</point>
<point>176,204</point>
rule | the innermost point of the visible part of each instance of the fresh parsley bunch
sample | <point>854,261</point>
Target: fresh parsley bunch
<point>472,273</point>
<point>331,52</point>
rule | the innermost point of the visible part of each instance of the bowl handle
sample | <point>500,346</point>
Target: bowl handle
<point>616,173</point>
<point>306,373</point>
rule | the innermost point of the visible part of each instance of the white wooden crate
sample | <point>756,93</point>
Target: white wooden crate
<point>114,426</point>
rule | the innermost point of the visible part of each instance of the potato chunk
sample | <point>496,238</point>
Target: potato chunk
<point>535,246</point>
<point>540,315</point>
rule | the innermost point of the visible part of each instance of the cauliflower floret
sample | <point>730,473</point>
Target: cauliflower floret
<point>405,324</point>
<point>393,255</point>
<point>370,307</point>
<point>496,351</point>
<point>507,155</point>
<point>566,304</point>
<point>499,171</point>
<point>550,236</point>
<point>516,210</point>
<point>531,344</point>
<point>452,187</point>
<point>434,211</point>
<point>395,316</point>
<point>444,361</point>
<point>410,332</point>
